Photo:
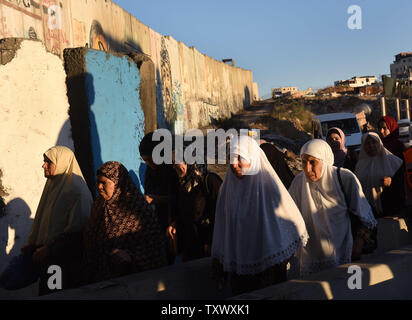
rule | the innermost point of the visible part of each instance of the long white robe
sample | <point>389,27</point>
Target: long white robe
<point>257,223</point>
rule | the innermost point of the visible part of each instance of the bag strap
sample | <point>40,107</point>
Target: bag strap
<point>343,189</point>
<point>354,218</point>
<point>207,180</point>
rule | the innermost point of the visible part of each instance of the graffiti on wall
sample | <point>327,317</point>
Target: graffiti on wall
<point>54,34</point>
<point>97,39</point>
<point>79,34</point>
<point>25,3</point>
<point>49,11</point>
<point>179,125</point>
<point>167,85</point>
<point>32,33</point>
<point>12,28</point>
<point>6,33</point>
<point>188,115</point>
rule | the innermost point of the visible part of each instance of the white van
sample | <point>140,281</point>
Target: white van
<point>347,122</point>
<point>405,134</point>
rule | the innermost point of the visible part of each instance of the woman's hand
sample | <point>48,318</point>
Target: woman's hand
<point>122,255</point>
<point>171,231</point>
<point>387,181</point>
<point>40,255</point>
<point>148,198</point>
<point>155,199</point>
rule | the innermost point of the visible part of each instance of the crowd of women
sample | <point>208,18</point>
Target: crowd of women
<point>254,224</point>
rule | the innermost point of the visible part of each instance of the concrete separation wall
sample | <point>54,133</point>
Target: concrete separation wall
<point>191,88</point>
<point>106,115</point>
<point>34,117</point>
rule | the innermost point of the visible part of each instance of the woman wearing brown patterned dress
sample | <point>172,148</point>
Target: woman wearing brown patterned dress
<point>123,234</point>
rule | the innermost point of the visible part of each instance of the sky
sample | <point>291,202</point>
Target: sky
<point>303,43</point>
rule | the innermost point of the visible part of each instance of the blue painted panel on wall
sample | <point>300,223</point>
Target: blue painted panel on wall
<point>116,116</point>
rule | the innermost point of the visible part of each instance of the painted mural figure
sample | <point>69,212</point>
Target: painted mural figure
<point>97,37</point>
<point>194,205</point>
<point>258,227</point>
<point>159,182</point>
<point>179,125</point>
<point>167,86</point>
<point>64,208</point>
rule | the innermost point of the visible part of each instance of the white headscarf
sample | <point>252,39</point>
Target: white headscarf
<point>323,206</point>
<point>371,170</point>
<point>257,224</point>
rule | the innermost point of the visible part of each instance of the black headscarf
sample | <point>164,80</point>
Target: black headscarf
<point>277,160</point>
<point>147,145</point>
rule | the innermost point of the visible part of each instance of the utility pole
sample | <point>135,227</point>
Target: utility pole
<point>383,106</point>
<point>398,112</point>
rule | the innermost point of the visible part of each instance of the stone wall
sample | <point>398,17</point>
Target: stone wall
<point>34,117</point>
<point>105,111</point>
<point>192,88</point>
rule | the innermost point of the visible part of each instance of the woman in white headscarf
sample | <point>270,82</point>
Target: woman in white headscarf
<point>257,225</point>
<point>319,196</point>
<point>381,175</point>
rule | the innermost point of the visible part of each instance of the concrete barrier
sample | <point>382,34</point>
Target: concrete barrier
<point>393,233</point>
<point>383,276</point>
<point>184,281</point>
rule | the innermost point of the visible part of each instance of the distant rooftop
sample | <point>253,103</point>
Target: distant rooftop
<point>403,55</point>
<point>363,77</point>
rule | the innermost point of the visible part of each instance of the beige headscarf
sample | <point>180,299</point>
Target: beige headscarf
<point>66,200</point>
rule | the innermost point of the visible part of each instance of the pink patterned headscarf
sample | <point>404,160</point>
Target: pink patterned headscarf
<point>340,154</point>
